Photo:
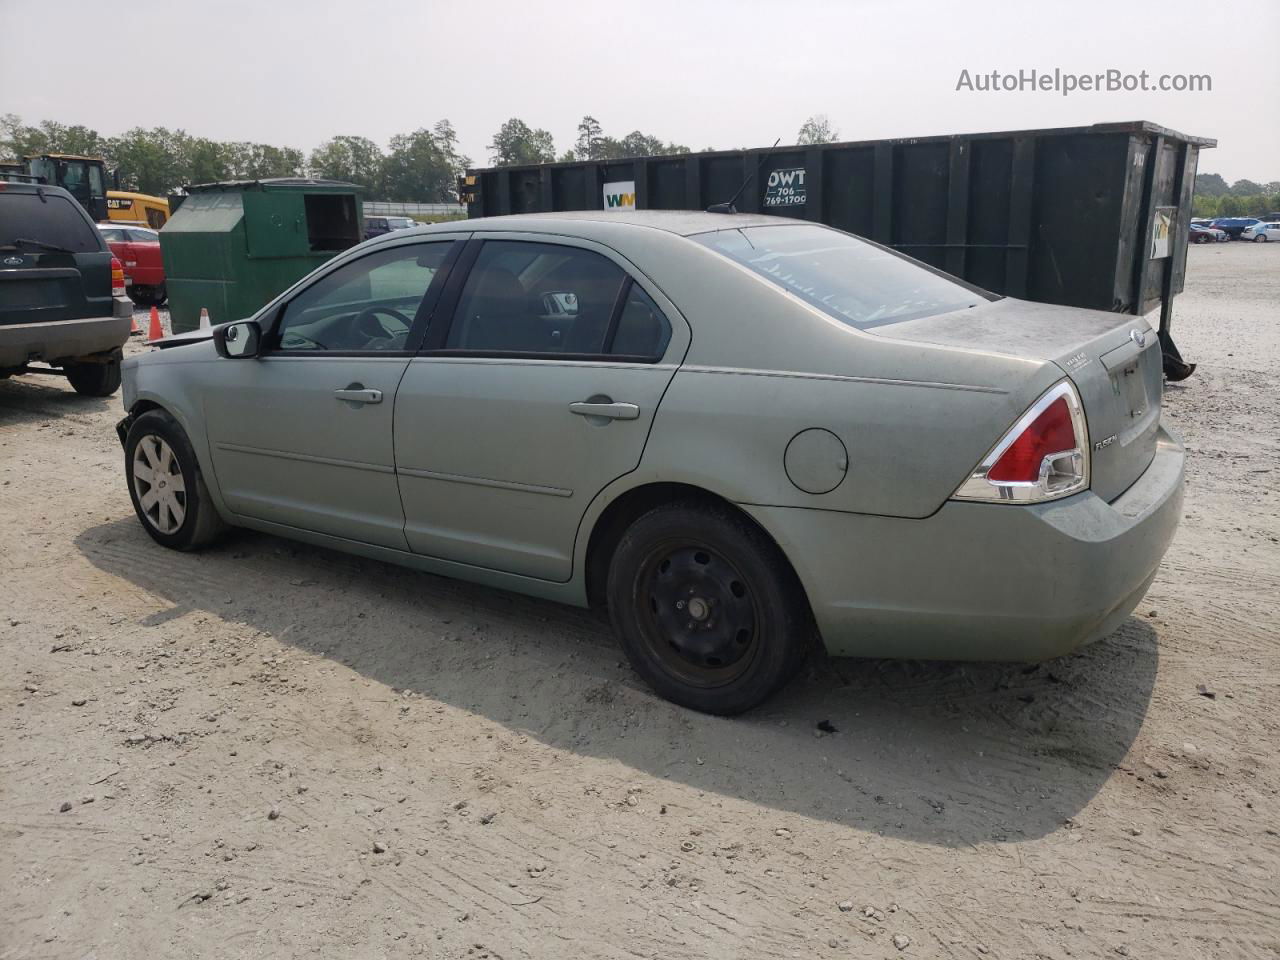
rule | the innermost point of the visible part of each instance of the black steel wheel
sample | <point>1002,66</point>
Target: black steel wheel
<point>698,613</point>
<point>707,608</point>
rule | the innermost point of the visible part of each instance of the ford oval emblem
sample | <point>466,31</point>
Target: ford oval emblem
<point>13,261</point>
<point>1138,337</point>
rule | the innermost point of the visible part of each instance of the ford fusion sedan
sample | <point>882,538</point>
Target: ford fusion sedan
<point>740,435</point>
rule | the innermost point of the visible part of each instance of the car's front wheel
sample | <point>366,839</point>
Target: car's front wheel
<point>165,484</point>
<point>706,607</point>
<point>1259,238</point>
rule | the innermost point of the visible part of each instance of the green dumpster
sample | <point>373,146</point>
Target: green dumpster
<point>233,246</point>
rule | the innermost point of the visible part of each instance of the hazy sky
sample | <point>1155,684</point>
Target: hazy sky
<point>706,73</point>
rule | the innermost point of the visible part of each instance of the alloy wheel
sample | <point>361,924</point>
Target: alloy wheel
<point>158,483</point>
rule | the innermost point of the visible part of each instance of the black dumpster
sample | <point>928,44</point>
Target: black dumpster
<point>1084,216</point>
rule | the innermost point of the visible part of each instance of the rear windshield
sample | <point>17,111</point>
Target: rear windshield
<point>51,219</point>
<point>852,280</point>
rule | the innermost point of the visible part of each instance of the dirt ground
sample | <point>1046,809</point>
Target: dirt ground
<point>269,750</point>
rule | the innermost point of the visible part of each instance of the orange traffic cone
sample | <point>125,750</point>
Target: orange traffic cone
<point>157,331</point>
<point>204,318</point>
<point>134,329</point>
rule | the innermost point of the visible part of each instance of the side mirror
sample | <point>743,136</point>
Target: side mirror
<point>238,341</point>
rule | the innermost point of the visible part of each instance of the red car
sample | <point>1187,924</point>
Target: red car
<point>139,250</point>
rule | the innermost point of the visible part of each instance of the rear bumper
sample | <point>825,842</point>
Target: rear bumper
<point>147,276</point>
<point>984,581</point>
<point>52,342</point>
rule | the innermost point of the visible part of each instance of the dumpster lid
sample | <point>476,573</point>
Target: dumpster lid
<point>276,183</point>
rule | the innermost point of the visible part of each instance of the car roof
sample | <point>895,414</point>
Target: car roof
<point>680,222</point>
<point>13,186</point>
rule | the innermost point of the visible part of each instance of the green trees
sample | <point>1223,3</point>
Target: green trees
<point>422,165</point>
<point>350,159</point>
<point>516,142</point>
<point>1244,198</point>
<point>817,129</point>
<point>592,144</point>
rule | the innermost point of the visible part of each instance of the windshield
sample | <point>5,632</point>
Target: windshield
<point>850,279</point>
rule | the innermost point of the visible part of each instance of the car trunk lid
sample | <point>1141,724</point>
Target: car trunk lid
<point>1113,359</point>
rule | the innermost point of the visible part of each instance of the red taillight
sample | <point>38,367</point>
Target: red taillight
<point>1051,432</point>
<point>117,278</point>
<point>1045,455</point>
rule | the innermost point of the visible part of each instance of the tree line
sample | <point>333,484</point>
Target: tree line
<point>1244,198</point>
<point>423,165</point>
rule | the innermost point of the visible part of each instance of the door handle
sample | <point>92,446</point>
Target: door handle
<point>610,410</point>
<point>357,394</point>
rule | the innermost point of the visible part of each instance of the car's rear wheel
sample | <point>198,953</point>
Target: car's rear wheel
<point>706,607</point>
<point>94,379</point>
<point>166,486</point>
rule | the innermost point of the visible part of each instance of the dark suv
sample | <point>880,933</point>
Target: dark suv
<point>62,293</point>
<point>377,226</point>
<point>1234,226</point>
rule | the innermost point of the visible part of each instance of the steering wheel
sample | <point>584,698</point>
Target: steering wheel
<point>368,325</point>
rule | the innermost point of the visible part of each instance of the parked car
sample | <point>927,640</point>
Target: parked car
<point>1261,232</point>
<point>1203,234</point>
<point>377,226</point>
<point>734,432</point>
<point>62,293</point>
<point>1234,226</point>
<point>139,250</point>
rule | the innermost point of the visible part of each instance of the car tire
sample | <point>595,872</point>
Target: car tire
<point>159,295</point>
<point>1260,238</point>
<point>94,379</point>
<point>707,608</point>
<point>183,519</point>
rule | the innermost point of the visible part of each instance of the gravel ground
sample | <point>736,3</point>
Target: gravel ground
<point>269,750</point>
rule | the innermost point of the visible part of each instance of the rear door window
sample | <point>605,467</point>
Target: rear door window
<point>55,220</point>
<point>642,329</point>
<point>536,298</point>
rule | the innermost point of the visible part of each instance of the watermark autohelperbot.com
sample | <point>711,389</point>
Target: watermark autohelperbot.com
<point>1065,82</point>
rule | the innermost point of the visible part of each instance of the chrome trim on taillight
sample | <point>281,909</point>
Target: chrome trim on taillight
<point>1062,473</point>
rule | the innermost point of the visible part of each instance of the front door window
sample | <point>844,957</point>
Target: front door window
<point>366,306</point>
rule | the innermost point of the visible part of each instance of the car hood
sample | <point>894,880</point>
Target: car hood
<point>182,339</point>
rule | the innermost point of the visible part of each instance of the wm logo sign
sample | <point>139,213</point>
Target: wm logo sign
<point>620,195</point>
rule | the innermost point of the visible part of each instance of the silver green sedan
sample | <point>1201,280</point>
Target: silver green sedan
<point>741,435</point>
